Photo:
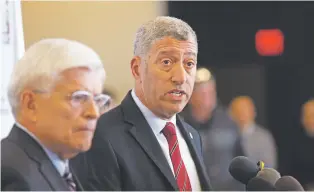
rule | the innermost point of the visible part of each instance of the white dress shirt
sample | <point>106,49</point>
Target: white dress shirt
<point>157,125</point>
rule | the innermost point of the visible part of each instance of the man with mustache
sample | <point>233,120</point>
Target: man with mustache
<point>142,145</point>
<point>55,95</point>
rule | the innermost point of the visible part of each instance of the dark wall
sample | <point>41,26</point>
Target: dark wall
<point>226,32</point>
<point>248,79</point>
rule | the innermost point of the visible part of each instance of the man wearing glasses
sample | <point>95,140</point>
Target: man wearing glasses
<point>55,95</point>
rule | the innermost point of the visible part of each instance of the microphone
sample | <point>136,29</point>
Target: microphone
<point>259,184</point>
<point>288,183</point>
<point>264,180</point>
<point>269,174</point>
<point>242,169</point>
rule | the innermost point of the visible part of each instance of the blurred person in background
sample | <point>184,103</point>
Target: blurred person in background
<point>302,152</point>
<point>217,130</point>
<point>256,141</point>
<point>112,102</point>
<point>307,118</point>
<point>55,95</point>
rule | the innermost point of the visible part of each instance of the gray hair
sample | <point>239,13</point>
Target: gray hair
<point>44,61</point>
<point>162,26</point>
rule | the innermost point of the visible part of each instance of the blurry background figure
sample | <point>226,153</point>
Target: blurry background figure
<point>217,130</point>
<point>256,141</point>
<point>112,103</point>
<point>308,166</point>
<point>308,118</point>
<point>302,153</point>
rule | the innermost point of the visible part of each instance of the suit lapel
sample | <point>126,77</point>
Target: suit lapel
<point>36,153</point>
<point>152,148</point>
<point>188,137</point>
<point>143,134</point>
<point>79,186</point>
<point>52,176</point>
<point>198,160</point>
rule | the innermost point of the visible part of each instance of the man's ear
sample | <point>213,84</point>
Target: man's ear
<point>135,67</point>
<point>28,104</point>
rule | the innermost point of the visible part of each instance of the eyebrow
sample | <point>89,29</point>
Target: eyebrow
<point>190,54</point>
<point>176,53</point>
<point>83,88</point>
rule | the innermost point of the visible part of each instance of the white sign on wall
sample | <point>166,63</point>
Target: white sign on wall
<point>11,49</point>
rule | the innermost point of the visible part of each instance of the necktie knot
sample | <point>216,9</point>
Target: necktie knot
<point>169,130</point>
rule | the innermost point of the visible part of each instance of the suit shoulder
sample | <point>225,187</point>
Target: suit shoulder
<point>263,130</point>
<point>13,180</point>
<point>14,166</point>
<point>110,119</point>
<point>110,125</point>
<point>13,155</point>
<point>10,150</point>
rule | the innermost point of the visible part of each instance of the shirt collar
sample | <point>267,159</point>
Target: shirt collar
<point>61,165</point>
<point>157,124</point>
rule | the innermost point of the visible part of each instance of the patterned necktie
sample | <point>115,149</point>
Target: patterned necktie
<point>69,179</point>
<point>181,174</point>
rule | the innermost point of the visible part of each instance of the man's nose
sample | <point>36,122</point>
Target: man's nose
<point>179,74</point>
<point>91,110</point>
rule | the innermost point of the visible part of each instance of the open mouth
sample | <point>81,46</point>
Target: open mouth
<point>177,93</point>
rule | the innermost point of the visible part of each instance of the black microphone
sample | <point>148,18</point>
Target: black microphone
<point>288,183</point>
<point>269,174</point>
<point>264,180</point>
<point>242,169</point>
<point>259,184</point>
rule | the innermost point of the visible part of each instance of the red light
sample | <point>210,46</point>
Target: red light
<point>269,42</point>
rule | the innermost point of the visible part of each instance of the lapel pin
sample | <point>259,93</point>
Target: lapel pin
<point>191,135</point>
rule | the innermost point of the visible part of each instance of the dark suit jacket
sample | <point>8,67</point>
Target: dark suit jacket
<point>26,167</point>
<point>126,155</point>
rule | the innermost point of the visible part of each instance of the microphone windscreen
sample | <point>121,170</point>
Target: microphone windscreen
<point>288,183</point>
<point>259,184</point>
<point>242,169</point>
<point>269,174</point>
